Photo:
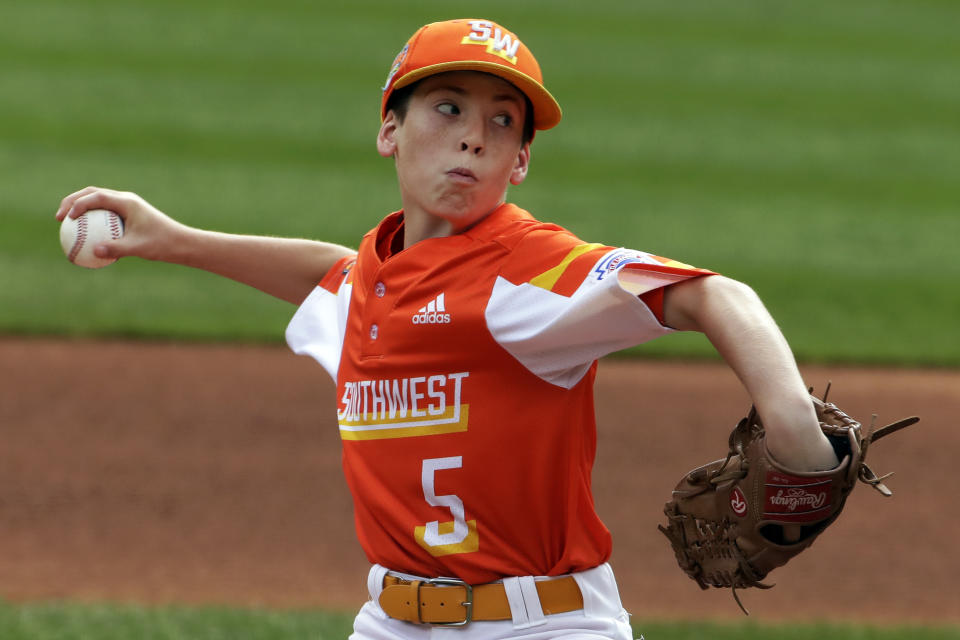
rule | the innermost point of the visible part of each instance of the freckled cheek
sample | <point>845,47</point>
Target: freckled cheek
<point>418,178</point>
<point>429,133</point>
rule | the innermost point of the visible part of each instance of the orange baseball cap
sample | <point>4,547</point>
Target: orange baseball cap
<point>473,45</point>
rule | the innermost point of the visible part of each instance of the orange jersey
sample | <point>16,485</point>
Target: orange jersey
<point>464,369</point>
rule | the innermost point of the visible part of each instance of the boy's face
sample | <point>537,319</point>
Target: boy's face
<point>458,147</point>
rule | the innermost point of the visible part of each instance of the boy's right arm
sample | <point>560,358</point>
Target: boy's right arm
<point>286,268</point>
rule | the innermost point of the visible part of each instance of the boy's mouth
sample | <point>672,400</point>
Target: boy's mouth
<point>462,175</point>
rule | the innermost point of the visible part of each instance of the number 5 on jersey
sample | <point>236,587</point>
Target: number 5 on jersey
<point>445,538</point>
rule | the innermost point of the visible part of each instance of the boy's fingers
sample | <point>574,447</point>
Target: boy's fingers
<point>67,203</point>
<point>97,199</point>
<point>78,203</point>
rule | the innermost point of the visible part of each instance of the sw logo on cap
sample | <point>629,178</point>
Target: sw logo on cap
<point>498,42</point>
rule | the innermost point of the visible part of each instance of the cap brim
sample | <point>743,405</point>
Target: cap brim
<point>546,109</point>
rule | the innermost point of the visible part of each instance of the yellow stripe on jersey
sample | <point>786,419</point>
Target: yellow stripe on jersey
<point>548,278</point>
<point>453,420</point>
<point>677,265</point>
<point>470,544</point>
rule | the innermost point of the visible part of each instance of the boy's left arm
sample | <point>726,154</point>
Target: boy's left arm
<point>739,326</point>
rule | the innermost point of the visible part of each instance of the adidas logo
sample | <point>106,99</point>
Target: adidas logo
<point>433,313</point>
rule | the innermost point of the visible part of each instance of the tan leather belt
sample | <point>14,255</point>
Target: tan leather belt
<point>447,601</point>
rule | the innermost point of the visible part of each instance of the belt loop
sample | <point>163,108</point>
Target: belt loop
<point>415,587</point>
<point>524,601</point>
<point>531,598</point>
<point>511,586</point>
<point>375,581</point>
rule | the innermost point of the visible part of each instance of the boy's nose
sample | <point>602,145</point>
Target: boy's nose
<point>475,148</point>
<point>472,137</point>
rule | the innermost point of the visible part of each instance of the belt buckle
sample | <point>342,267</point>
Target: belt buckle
<point>468,605</point>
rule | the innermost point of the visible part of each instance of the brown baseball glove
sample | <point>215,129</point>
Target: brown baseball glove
<point>734,520</point>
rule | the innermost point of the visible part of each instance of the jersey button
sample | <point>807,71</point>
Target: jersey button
<point>380,289</point>
<point>374,331</point>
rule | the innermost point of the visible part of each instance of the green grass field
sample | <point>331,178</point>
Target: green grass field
<point>100,622</point>
<point>810,149</point>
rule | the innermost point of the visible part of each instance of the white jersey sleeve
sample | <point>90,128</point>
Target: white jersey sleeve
<point>317,328</point>
<point>585,306</point>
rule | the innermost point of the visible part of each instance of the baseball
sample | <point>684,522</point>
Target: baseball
<point>78,236</point>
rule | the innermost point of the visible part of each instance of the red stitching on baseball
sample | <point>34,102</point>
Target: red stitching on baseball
<point>115,229</point>
<point>81,238</point>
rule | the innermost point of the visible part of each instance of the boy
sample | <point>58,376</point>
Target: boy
<point>463,337</point>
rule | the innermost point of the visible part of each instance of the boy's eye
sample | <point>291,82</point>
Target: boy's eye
<point>448,108</point>
<point>504,120</point>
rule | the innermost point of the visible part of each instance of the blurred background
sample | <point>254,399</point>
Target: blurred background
<point>810,149</point>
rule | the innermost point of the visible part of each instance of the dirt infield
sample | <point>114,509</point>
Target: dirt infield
<point>172,473</point>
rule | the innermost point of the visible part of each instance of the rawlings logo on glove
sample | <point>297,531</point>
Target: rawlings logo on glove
<point>732,521</point>
<point>797,499</point>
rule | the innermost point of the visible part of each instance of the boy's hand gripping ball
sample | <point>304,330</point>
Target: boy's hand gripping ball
<point>78,236</point>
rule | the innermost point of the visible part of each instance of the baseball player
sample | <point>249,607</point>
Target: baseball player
<point>463,336</point>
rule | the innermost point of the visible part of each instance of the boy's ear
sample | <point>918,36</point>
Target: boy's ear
<point>519,172</point>
<point>386,137</point>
